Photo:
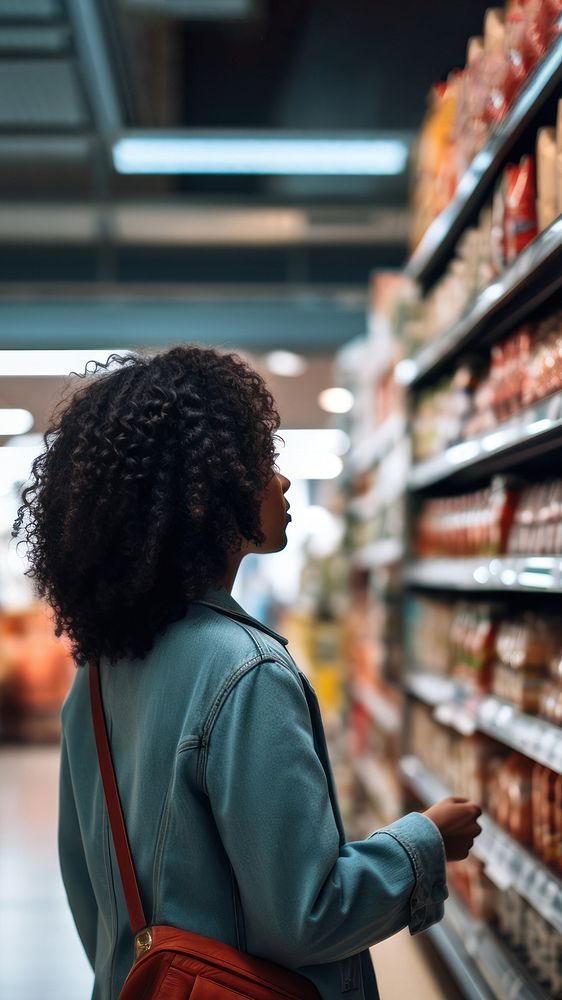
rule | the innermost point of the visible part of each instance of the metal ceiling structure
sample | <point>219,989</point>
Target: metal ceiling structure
<point>82,249</point>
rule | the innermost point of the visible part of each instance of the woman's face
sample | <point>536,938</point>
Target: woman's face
<point>273,515</point>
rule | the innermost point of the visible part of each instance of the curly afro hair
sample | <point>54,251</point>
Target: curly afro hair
<point>152,472</point>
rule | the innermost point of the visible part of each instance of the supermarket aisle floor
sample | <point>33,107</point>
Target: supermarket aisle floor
<point>40,954</point>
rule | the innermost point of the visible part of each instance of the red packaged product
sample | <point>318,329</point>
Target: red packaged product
<point>514,42</point>
<point>534,42</point>
<point>550,17</point>
<point>520,219</point>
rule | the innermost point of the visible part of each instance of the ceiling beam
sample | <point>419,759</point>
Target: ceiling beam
<point>254,318</point>
<point>174,223</point>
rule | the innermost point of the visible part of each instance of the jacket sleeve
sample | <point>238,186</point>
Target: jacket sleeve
<point>307,899</point>
<point>72,862</point>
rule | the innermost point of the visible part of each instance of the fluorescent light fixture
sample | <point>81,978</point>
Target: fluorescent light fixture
<point>40,363</point>
<point>15,421</point>
<point>285,363</point>
<point>326,440</point>
<point>335,400</point>
<point>302,464</point>
<point>269,154</point>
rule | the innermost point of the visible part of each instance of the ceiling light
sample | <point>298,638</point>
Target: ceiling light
<point>13,421</point>
<point>270,154</point>
<point>318,440</point>
<point>336,400</point>
<point>40,363</point>
<point>285,363</point>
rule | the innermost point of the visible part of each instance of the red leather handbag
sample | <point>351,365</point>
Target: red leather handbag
<point>170,963</point>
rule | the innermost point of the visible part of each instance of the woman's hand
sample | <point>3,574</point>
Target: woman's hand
<point>455,818</point>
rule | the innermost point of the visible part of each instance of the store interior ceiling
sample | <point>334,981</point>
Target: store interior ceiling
<point>90,257</point>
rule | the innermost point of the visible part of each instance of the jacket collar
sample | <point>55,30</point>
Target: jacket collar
<point>222,601</point>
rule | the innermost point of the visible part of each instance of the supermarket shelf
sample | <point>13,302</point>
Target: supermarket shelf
<point>380,789</point>
<point>507,864</point>
<point>439,240</point>
<point>535,738</point>
<point>376,445</point>
<point>370,505</point>
<point>534,430</point>
<point>485,968</point>
<point>528,282</point>
<point>381,711</point>
<point>382,553</point>
<point>426,785</point>
<point>432,689</point>
<point>457,958</point>
<point>530,574</point>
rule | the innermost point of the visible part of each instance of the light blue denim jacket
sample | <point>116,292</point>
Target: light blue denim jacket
<point>231,812</point>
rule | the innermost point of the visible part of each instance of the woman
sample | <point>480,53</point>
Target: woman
<point>159,477</point>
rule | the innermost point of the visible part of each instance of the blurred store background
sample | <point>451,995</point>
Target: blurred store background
<point>364,198</point>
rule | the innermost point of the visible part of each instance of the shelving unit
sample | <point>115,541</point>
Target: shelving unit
<point>533,278</point>
<point>382,711</point>
<point>374,447</point>
<point>507,863</point>
<point>485,967</point>
<point>530,574</point>
<point>533,737</point>
<point>380,790</point>
<point>436,246</point>
<point>535,430</point>
<point>384,553</point>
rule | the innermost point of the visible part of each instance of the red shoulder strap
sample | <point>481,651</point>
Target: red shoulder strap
<point>113,802</point>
